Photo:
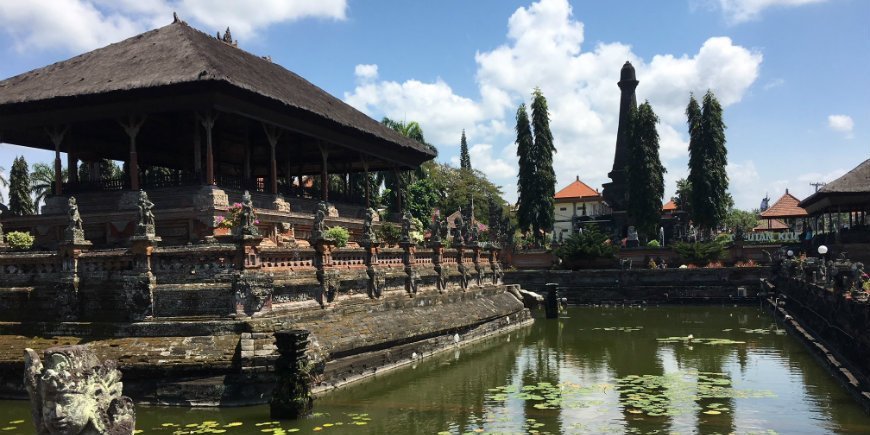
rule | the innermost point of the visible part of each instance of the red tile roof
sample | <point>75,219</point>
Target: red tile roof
<point>670,206</point>
<point>785,207</point>
<point>577,190</point>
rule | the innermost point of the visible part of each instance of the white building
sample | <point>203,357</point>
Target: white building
<point>577,199</point>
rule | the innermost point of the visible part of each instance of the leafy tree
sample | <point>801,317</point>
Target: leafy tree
<point>646,184</point>
<point>745,221</point>
<point>3,181</point>
<point>708,159</point>
<point>393,181</point>
<point>700,253</point>
<point>20,203</point>
<point>457,188</point>
<point>42,182</point>
<point>108,170</point>
<point>683,196</point>
<point>464,157</point>
<point>589,244</point>
<point>422,198</point>
<point>527,171</point>
<point>542,152</point>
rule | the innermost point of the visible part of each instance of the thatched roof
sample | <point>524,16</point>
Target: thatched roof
<point>850,190</point>
<point>176,55</point>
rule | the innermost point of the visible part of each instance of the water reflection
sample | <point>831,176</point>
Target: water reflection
<point>596,370</point>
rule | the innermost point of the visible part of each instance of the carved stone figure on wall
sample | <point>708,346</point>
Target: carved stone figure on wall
<point>411,279</point>
<point>435,229</point>
<point>441,277</point>
<point>463,275</point>
<point>497,272</point>
<point>74,233</point>
<point>247,217</point>
<point>72,392</point>
<point>328,288</point>
<point>473,233</point>
<point>376,280</point>
<point>632,240</point>
<point>145,226</point>
<point>459,226</point>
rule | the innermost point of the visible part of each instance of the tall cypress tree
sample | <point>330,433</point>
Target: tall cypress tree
<point>464,157</point>
<point>545,181</point>
<point>20,202</point>
<point>527,171</point>
<point>646,185</point>
<point>708,159</point>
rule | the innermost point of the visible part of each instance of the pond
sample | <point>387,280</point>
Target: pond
<point>595,370</point>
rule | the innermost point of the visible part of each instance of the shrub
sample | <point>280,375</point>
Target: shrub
<point>389,233</point>
<point>654,244</point>
<point>700,252</point>
<point>19,241</point>
<point>339,235</point>
<point>591,243</point>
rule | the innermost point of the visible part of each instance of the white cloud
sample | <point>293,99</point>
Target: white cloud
<point>366,73</point>
<point>775,83</point>
<point>842,124</point>
<point>79,25</point>
<point>544,48</point>
<point>739,11</point>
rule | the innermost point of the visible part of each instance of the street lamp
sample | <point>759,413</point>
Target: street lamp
<point>823,250</point>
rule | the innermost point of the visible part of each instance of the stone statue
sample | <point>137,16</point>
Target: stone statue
<point>632,240</point>
<point>72,392</point>
<point>368,228</point>
<point>662,236</point>
<point>74,232</point>
<point>318,232</point>
<point>145,227</point>
<point>435,229</point>
<point>445,228</point>
<point>247,217</point>
<point>473,233</point>
<point>692,234</point>
<point>406,228</point>
<point>459,226</point>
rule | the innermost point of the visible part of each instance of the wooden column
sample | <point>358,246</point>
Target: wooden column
<point>197,149</point>
<point>56,135</point>
<point>272,134</point>
<point>366,182</point>
<point>324,175</point>
<point>131,126</point>
<point>207,121</point>
<point>399,190</point>
<point>72,165</point>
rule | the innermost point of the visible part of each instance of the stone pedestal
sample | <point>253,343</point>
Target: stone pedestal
<point>292,396</point>
<point>67,288</point>
<point>495,264</point>
<point>411,275</point>
<point>328,279</point>
<point>376,277</point>
<point>440,268</point>
<point>463,270</point>
<point>478,268</point>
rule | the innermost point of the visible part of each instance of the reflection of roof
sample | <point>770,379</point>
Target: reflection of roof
<point>771,225</point>
<point>785,207</point>
<point>670,206</point>
<point>577,190</point>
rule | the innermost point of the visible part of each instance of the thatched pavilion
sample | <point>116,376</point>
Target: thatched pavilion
<point>840,207</point>
<point>195,120</point>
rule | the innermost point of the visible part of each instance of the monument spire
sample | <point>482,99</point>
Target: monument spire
<point>615,191</point>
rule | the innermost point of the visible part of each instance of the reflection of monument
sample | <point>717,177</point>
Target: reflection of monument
<point>615,192</point>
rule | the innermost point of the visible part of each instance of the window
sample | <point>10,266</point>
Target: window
<point>563,209</point>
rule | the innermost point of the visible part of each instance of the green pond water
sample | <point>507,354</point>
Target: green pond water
<point>595,370</point>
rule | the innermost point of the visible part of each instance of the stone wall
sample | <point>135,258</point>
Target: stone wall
<point>637,285</point>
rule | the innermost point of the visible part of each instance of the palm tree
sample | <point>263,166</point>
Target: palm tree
<point>42,182</point>
<point>3,181</point>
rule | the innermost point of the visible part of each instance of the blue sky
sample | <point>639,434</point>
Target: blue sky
<point>791,73</point>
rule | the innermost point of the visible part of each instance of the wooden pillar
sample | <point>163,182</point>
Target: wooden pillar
<point>56,135</point>
<point>131,126</point>
<point>197,149</point>
<point>366,182</point>
<point>207,121</point>
<point>72,165</point>
<point>324,175</point>
<point>399,191</point>
<point>272,134</point>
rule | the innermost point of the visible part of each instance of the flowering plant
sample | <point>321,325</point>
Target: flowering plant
<point>232,218</point>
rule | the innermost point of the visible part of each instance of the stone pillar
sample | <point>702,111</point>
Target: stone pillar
<point>552,301</point>
<point>61,394</point>
<point>478,268</point>
<point>463,271</point>
<point>292,396</point>
<point>495,265</point>
<point>437,262</point>
<point>411,275</point>
<point>132,126</point>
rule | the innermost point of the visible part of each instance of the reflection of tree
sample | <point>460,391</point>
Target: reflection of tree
<point>439,391</point>
<point>540,363</point>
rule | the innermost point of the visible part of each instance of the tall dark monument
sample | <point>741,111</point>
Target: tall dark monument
<point>615,192</point>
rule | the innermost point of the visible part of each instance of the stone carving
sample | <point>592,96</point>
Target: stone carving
<point>442,272</point>
<point>145,226</point>
<point>632,240</point>
<point>434,230</point>
<point>497,272</point>
<point>369,235</point>
<point>473,233</point>
<point>478,269</point>
<point>459,226</point>
<point>411,279</point>
<point>329,283</point>
<point>253,292</point>
<point>281,204</point>
<point>247,224</point>
<point>376,281</point>
<point>318,230</point>
<point>74,233</point>
<point>72,392</point>
<point>138,291</point>
<point>406,228</point>
<point>463,274</point>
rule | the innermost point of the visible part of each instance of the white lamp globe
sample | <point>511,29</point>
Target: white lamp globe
<point>823,249</point>
<point>789,253</point>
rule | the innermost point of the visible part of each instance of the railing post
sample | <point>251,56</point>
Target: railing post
<point>323,246</point>
<point>69,251</point>
<point>252,288</point>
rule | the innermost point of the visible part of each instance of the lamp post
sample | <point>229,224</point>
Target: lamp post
<point>823,267</point>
